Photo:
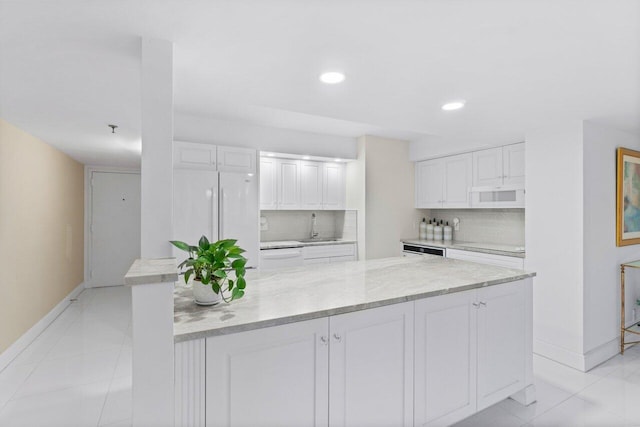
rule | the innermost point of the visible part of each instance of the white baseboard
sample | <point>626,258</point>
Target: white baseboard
<point>28,337</point>
<point>559,354</point>
<point>601,353</point>
<point>581,362</point>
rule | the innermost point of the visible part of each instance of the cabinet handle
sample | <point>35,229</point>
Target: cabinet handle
<point>337,337</point>
<point>324,340</point>
<point>483,303</point>
<point>476,305</point>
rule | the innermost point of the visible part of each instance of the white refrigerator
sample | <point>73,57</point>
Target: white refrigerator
<point>220,205</point>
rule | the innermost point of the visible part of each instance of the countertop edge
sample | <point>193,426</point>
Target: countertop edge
<point>341,310</point>
<point>303,244</point>
<point>146,271</point>
<point>463,247</point>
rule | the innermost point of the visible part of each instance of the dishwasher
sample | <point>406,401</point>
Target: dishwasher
<point>275,259</point>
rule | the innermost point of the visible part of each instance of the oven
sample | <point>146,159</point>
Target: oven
<point>409,249</point>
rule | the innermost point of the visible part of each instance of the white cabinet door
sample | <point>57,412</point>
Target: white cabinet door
<point>371,359</point>
<point>194,156</point>
<point>513,163</point>
<point>334,190</point>
<point>311,183</point>
<point>457,181</point>
<point>445,361</point>
<point>501,342</point>
<point>195,206</point>
<point>487,167</point>
<point>269,377</point>
<point>268,184</point>
<point>429,183</point>
<point>235,159</point>
<point>288,184</point>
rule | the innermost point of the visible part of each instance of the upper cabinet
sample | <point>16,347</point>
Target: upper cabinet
<point>499,166</point>
<point>301,184</point>
<point>334,186</point>
<point>191,155</point>
<point>444,182</point>
<point>268,186</point>
<point>311,185</point>
<point>455,181</point>
<point>233,159</point>
<point>288,183</point>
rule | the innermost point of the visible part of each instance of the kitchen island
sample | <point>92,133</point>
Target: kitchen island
<point>396,341</point>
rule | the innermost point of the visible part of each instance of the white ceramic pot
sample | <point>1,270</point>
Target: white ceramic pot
<point>204,295</point>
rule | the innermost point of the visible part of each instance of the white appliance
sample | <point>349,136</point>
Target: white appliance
<point>506,196</point>
<point>222,205</point>
<point>274,259</point>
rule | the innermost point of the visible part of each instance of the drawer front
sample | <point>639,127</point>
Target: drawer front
<point>326,251</point>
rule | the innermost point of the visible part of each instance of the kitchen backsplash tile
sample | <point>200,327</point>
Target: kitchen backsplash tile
<point>295,225</point>
<point>503,226</point>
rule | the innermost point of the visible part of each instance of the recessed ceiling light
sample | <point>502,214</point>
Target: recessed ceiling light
<point>337,160</point>
<point>305,157</point>
<point>332,78</point>
<point>455,105</point>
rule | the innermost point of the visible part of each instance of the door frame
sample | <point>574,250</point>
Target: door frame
<point>88,199</point>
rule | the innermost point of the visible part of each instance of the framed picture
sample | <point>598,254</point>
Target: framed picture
<point>628,197</point>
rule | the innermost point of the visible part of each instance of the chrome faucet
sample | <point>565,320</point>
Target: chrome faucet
<point>314,225</point>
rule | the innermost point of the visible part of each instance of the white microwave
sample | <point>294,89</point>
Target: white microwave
<point>497,197</point>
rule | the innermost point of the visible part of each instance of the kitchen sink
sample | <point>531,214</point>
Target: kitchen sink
<point>318,239</point>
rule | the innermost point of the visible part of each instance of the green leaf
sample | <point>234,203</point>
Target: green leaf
<point>237,293</point>
<point>180,245</point>
<point>203,243</point>
<point>239,263</point>
<point>215,286</point>
<point>187,274</point>
<point>241,283</point>
<point>220,273</point>
<point>227,243</point>
<point>230,284</point>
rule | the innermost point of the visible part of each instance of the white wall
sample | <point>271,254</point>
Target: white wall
<point>433,146</point>
<point>236,133</point>
<point>356,193</point>
<point>554,239</point>
<point>601,256</point>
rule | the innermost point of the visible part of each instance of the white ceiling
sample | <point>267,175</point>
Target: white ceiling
<point>68,68</point>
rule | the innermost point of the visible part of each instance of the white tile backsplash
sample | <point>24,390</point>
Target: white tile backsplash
<point>503,226</point>
<point>295,225</point>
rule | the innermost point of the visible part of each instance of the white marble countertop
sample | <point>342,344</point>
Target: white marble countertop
<point>300,243</point>
<point>147,271</point>
<point>313,291</point>
<point>482,247</point>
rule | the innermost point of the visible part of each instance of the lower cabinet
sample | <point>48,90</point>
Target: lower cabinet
<point>324,254</point>
<point>280,376</point>
<point>474,343</point>
<point>429,362</point>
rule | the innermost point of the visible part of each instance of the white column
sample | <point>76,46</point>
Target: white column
<point>157,147</point>
<point>152,300</point>
<point>151,282</point>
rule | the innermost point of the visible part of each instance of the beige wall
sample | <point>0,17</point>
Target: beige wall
<point>380,184</point>
<point>41,230</point>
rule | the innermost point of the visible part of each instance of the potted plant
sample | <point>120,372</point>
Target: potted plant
<point>212,265</point>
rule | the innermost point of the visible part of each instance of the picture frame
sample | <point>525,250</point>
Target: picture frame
<point>627,197</point>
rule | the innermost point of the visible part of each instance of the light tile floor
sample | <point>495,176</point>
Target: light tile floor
<point>78,373</point>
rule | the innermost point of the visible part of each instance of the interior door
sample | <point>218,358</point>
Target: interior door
<point>114,226</point>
